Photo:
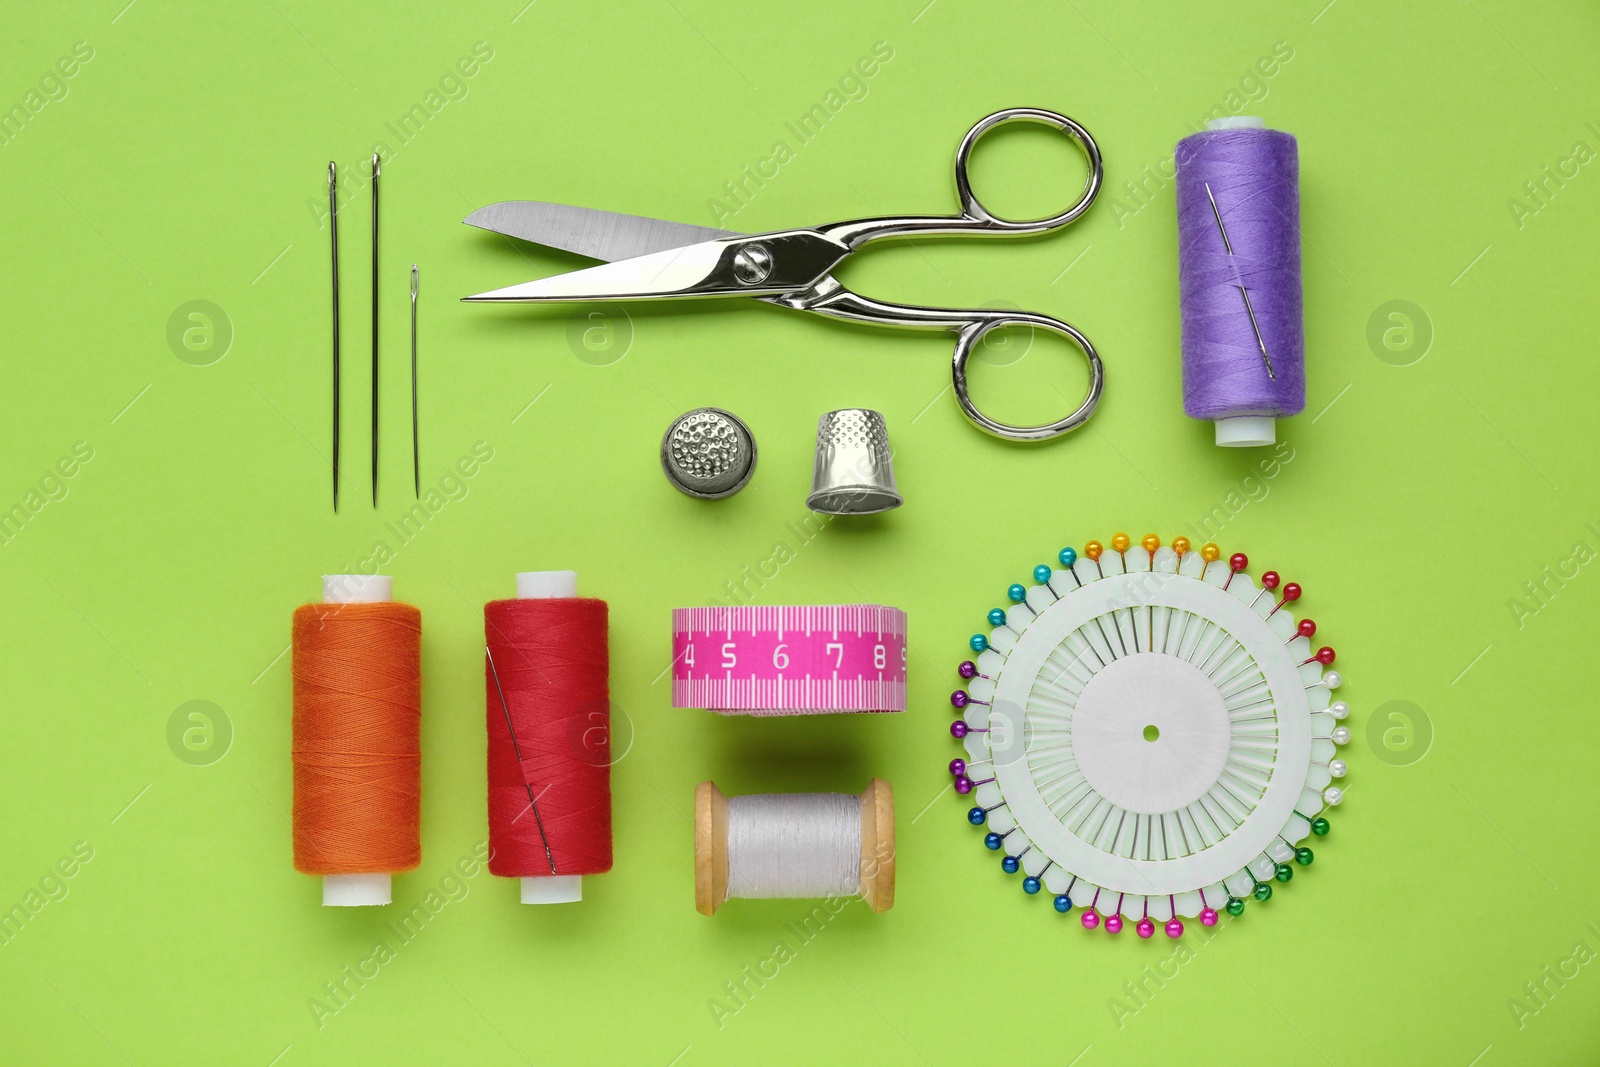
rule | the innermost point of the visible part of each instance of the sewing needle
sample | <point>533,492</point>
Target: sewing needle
<point>517,750</point>
<point>333,232</point>
<point>1251,311</point>
<point>416,462</point>
<point>374,329</point>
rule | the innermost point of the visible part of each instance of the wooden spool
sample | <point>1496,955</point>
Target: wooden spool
<point>711,846</point>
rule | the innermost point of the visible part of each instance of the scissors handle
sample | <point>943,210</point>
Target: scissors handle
<point>974,217</point>
<point>836,301</point>
<point>974,332</point>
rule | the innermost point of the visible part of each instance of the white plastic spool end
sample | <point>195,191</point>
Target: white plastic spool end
<point>541,585</point>
<point>357,589</point>
<point>1237,122</point>
<point>357,890</point>
<point>552,889</point>
<point>555,888</point>
<point>1247,431</point>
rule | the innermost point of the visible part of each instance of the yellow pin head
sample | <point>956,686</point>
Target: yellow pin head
<point>1120,542</point>
<point>1210,552</point>
<point>1180,545</point>
<point>1151,542</point>
<point>1093,549</point>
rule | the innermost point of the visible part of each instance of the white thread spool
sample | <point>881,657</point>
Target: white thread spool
<point>788,845</point>
<point>549,888</point>
<point>356,890</point>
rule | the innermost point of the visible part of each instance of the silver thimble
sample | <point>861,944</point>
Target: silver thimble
<point>854,472</point>
<point>708,453</point>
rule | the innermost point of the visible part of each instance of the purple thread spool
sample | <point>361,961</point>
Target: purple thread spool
<point>1253,174</point>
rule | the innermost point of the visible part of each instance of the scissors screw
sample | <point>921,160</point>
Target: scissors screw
<point>752,264</point>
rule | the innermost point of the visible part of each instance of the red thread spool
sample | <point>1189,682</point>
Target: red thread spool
<point>550,764</point>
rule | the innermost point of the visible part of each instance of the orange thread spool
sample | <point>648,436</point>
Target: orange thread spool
<point>357,741</point>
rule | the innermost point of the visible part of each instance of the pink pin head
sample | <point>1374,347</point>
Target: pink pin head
<point>1089,919</point>
<point>1174,927</point>
<point>1113,924</point>
<point>1146,928</point>
<point>1270,580</point>
<point>1208,917</point>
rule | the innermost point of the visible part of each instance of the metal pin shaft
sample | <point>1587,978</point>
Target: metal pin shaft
<point>1245,293</point>
<point>333,232</point>
<point>517,750</point>
<point>375,169</point>
<point>416,461</point>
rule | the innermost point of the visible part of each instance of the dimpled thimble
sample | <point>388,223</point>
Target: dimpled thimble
<point>708,453</point>
<point>854,472</point>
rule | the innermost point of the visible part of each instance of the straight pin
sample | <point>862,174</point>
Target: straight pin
<point>517,749</point>
<point>1245,293</point>
<point>333,234</point>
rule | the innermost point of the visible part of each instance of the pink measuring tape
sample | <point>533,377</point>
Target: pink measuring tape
<point>840,658</point>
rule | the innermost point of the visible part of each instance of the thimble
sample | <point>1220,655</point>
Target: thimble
<point>708,453</point>
<point>854,472</point>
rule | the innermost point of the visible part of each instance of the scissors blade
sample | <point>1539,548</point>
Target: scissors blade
<point>770,264</point>
<point>607,235</point>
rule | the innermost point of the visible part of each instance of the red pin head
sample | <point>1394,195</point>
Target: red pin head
<point>1291,591</point>
<point>1270,579</point>
<point>1238,562</point>
<point>1324,655</point>
<point>1307,628</point>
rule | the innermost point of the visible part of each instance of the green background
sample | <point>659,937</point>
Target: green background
<point>1444,460</point>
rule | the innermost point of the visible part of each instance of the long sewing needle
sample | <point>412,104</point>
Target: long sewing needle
<point>1251,311</point>
<point>333,231</point>
<point>374,329</point>
<point>416,461</point>
<point>517,749</point>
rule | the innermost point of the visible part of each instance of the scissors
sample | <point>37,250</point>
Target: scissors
<point>649,259</point>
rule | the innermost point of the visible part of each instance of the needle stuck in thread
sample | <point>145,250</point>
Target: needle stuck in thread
<point>1243,292</point>
<point>333,233</point>
<point>517,750</point>
<point>416,461</point>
